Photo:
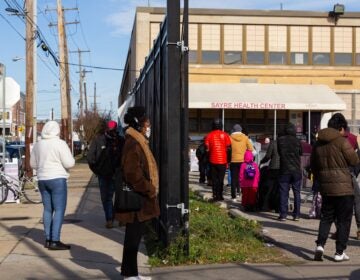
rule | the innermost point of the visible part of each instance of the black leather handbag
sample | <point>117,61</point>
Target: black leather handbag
<point>126,199</point>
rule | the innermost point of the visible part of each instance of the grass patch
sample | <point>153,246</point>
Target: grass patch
<point>214,238</point>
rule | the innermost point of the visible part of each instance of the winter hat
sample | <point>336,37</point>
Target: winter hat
<point>237,128</point>
<point>111,125</point>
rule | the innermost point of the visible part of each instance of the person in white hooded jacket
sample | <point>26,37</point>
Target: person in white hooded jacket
<point>51,157</point>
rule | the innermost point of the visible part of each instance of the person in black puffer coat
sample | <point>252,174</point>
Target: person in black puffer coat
<point>290,151</point>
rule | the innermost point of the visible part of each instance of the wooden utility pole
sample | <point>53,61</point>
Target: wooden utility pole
<point>95,97</point>
<point>85,96</point>
<point>29,105</point>
<point>63,79</point>
<point>82,73</point>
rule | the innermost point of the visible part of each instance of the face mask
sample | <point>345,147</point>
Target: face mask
<point>148,132</point>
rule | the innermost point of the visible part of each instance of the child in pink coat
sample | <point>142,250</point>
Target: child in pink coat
<point>249,181</point>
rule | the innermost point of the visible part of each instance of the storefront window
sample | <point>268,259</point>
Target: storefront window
<point>210,57</point>
<point>343,45</point>
<point>193,56</point>
<point>357,46</point>
<point>343,59</point>
<point>193,43</point>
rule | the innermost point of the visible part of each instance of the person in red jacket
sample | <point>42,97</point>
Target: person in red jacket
<point>217,144</point>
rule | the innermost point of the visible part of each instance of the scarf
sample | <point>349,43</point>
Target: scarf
<point>144,144</point>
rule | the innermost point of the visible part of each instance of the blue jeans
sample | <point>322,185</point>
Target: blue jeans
<point>107,189</point>
<point>285,180</point>
<point>54,197</point>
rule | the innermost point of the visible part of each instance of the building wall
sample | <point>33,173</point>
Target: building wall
<point>292,47</point>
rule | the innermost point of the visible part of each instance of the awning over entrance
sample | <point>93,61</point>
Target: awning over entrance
<point>264,97</point>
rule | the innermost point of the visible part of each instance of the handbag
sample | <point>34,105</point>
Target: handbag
<point>126,199</point>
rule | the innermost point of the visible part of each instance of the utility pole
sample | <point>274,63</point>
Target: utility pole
<point>82,74</point>
<point>95,97</point>
<point>85,95</point>
<point>29,101</point>
<point>63,79</point>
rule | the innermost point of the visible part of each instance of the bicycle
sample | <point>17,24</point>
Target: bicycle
<point>22,187</point>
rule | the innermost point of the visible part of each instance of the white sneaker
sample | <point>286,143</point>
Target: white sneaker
<point>319,251</point>
<point>341,258</point>
<point>144,277</point>
<point>234,200</point>
<point>132,278</point>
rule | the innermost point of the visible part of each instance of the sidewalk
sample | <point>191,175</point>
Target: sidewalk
<point>95,253</point>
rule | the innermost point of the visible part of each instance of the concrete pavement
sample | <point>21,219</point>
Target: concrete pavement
<point>96,251</point>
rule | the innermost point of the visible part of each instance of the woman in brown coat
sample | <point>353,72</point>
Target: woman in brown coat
<point>139,170</point>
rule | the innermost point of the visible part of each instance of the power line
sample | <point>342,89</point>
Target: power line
<point>12,26</point>
<point>98,67</point>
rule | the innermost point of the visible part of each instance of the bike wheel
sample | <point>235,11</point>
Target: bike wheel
<point>4,190</point>
<point>31,190</point>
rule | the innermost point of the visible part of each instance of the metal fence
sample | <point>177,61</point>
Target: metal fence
<point>162,88</point>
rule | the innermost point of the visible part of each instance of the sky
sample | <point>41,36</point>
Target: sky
<point>104,29</point>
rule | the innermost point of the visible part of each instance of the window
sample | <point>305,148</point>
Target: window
<point>233,44</point>
<point>210,43</point>
<point>299,44</point>
<point>255,44</point>
<point>343,45</point>
<point>277,44</point>
<point>321,45</point>
<point>357,46</point>
<point>193,43</point>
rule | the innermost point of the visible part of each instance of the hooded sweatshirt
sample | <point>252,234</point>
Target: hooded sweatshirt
<point>51,156</point>
<point>330,160</point>
<point>239,144</point>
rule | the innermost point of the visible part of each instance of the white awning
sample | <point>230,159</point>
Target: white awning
<point>264,97</point>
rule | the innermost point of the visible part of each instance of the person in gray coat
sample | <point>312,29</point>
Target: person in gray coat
<point>330,160</point>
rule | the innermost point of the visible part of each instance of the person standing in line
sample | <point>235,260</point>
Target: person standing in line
<point>217,143</point>
<point>270,196</point>
<point>249,180</point>
<point>51,158</point>
<point>239,144</point>
<point>104,160</point>
<point>290,151</point>
<point>139,171</point>
<point>202,157</point>
<point>330,161</point>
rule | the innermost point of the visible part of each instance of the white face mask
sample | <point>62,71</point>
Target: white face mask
<point>148,132</point>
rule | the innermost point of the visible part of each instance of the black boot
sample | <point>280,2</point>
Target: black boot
<point>58,245</point>
<point>47,243</point>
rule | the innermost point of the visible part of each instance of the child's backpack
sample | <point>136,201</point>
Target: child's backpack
<point>250,171</point>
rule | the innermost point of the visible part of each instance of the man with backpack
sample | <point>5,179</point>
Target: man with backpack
<point>104,158</point>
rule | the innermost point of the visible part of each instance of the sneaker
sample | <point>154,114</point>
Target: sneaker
<point>58,245</point>
<point>296,219</point>
<point>319,251</point>
<point>132,278</point>
<point>234,200</point>
<point>281,219</point>
<point>144,277</point>
<point>341,257</point>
